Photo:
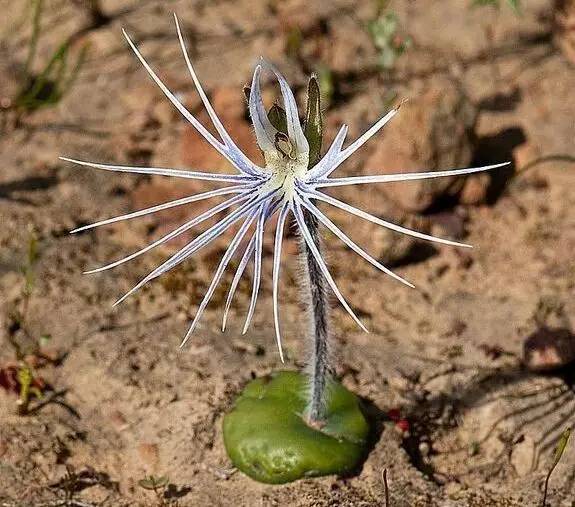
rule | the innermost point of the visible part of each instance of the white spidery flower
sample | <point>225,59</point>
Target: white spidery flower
<point>284,185</point>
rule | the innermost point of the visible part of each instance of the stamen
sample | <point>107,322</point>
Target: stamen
<point>284,145</point>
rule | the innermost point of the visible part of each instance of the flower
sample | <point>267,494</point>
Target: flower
<point>283,186</point>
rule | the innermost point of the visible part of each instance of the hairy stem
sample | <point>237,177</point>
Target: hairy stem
<point>316,299</point>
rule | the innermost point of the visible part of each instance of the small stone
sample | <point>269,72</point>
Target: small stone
<point>475,189</point>
<point>522,456</point>
<point>424,449</point>
<point>524,154</point>
<point>118,421</point>
<point>549,349</point>
<point>149,454</point>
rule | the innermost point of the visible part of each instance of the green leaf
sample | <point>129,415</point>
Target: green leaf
<point>153,483</point>
<point>277,117</point>
<point>313,129</point>
<point>268,439</point>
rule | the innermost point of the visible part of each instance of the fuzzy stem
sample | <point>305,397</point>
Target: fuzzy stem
<point>316,296</point>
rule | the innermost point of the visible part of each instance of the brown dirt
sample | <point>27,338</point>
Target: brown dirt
<point>447,356</point>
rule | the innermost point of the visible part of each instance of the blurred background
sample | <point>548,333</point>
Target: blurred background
<point>468,379</point>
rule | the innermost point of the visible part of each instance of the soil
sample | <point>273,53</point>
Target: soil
<point>458,419</point>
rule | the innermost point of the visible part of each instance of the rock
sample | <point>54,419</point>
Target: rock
<point>475,189</point>
<point>431,132</point>
<point>549,349</point>
<point>524,154</point>
<point>522,456</point>
<point>149,454</point>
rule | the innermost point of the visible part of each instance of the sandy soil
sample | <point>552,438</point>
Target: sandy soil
<point>447,357</point>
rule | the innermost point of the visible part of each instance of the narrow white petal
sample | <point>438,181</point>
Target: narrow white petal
<point>296,210</point>
<point>242,266</point>
<point>379,221</point>
<point>295,132</point>
<point>276,273</point>
<point>245,164</point>
<point>257,266</point>
<point>343,237</point>
<point>178,173</point>
<point>335,148</point>
<point>237,277</point>
<point>218,275</point>
<point>327,160</point>
<point>265,131</point>
<point>386,178</point>
<point>176,232</point>
<point>222,148</point>
<point>161,207</point>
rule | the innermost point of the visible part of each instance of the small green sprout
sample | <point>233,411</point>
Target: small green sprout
<point>384,32</point>
<point>157,485</point>
<point>47,87</point>
<point>27,388</point>
<point>559,450</point>
<point>326,84</point>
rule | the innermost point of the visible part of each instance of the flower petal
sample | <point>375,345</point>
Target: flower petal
<point>193,246</point>
<point>386,178</point>
<point>276,274</point>
<point>176,232</point>
<point>328,159</point>
<point>160,171</point>
<point>237,277</point>
<point>242,161</point>
<point>167,205</point>
<point>295,132</point>
<point>265,131</point>
<point>257,264</point>
<point>358,143</point>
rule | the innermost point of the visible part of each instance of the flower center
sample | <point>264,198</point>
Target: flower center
<point>285,166</point>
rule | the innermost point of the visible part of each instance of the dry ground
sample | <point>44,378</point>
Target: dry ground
<point>447,355</point>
